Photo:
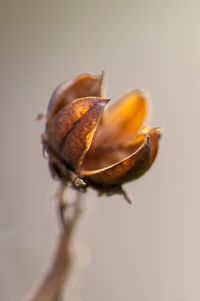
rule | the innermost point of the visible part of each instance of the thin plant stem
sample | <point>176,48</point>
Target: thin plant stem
<point>51,286</point>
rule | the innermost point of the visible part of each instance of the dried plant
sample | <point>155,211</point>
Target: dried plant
<point>90,146</point>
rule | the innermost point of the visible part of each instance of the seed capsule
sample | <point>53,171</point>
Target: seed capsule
<point>90,146</point>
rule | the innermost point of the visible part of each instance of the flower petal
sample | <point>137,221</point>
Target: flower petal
<point>154,135</point>
<point>80,86</point>
<point>71,131</point>
<point>130,167</point>
<point>122,121</point>
<point>125,170</point>
<point>106,155</point>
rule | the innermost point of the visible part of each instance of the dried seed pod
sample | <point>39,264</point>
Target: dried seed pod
<point>87,145</point>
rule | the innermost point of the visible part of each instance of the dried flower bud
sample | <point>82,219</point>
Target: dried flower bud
<point>89,146</point>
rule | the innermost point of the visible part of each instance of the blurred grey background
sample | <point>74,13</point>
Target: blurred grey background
<point>148,251</point>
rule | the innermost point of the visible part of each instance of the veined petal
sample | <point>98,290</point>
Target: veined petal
<point>80,86</point>
<point>131,167</point>
<point>122,121</point>
<point>72,129</point>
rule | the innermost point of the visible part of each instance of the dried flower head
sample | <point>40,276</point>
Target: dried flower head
<point>88,146</point>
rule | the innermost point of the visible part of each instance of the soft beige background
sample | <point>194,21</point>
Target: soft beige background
<point>146,252</point>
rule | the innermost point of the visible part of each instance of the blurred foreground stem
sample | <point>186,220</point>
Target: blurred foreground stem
<point>52,283</point>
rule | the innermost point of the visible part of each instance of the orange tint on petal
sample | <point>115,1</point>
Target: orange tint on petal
<point>80,86</point>
<point>125,170</point>
<point>132,166</point>
<point>106,155</point>
<point>122,121</point>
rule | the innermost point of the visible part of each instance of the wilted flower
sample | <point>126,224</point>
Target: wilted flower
<point>89,146</point>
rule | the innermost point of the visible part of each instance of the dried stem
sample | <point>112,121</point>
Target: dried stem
<point>51,285</point>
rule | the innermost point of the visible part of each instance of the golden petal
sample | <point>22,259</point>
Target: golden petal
<point>130,167</point>
<point>122,121</point>
<point>71,131</point>
<point>80,86</point>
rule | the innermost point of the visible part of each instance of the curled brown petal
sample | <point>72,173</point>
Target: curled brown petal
<point>106,155</point>
<point>131,167</point>
<point>122,121</point>
<point>125,170</point>
<point>80,86</point>
<point>72,129</point>
<point>154,135</point>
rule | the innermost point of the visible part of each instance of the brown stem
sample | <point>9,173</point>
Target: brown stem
<point>51,285</point>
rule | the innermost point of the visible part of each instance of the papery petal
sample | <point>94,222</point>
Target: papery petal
<point>130,167</point>
<point>125,170</point>
<point>71,131</point>
<point>122,121</point>
<point>154,135</point>
<point>106,155</point>
<point>80,86</point>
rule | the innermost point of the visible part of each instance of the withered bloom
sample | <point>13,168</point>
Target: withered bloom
<point>92,147</point>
